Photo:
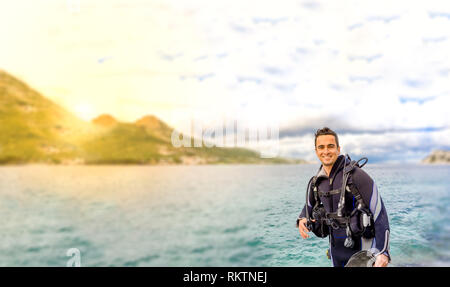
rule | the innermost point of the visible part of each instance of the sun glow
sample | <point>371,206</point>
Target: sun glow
<point>84,111</point>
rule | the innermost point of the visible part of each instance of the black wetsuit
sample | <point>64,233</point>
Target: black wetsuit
<point>372,199</point>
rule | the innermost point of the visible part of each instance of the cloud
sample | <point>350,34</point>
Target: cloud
<point>103,59</point>
<point>341,126</point>
<point>240,28</point>
<point>385,19</point>
<point>273,71</point>
<point>285,87</point>
<point>221,55</point>
<point>394,146</point>
<point>199,78</point>
<point>301,50</point>
<point>337,87</point>
<point>439,15</point>
<point>420,101</point>
<point>434,40</point>
<point>444,72</point>
<point>241,79</point>
<point>312,5</point>
<point>368,59</point>
<point>366,79</point>
<point>405,146</point>
<point>415,83</point>
<point>170,57</point>
<point>205,76</point>
<point>266,20</point>
<point>310,125</point>
<point>200,58</point>
<point>318,42</point>
<point>355,26</point>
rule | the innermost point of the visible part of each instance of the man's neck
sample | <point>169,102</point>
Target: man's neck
<point>327,169</point>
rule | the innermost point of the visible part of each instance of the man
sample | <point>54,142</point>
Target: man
<point>328,183</point>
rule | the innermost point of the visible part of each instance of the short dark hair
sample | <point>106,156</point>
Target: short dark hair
<point>325,131</point>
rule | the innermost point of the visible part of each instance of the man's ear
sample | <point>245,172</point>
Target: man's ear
<point>339,149</point>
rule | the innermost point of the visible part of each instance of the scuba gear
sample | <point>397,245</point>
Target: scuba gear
<point>361,222</point>
<point>363,258</point>
<point>345,175</point>
<point>358,223</point>
<point>349,243</point>
<point>329,184</point>
<point>318,226</point>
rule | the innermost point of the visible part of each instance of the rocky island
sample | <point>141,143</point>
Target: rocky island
<point>438,157</point>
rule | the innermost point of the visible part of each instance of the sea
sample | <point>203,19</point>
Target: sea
<point>206,215</point>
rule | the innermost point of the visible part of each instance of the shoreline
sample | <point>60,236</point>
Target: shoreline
<point>142,165</point>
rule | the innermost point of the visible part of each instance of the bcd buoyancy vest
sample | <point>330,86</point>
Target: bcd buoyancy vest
<point>359,222</point>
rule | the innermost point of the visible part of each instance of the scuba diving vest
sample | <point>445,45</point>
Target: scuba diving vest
<point>359,222</point>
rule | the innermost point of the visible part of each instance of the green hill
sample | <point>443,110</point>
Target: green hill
<point>148,141</point>
<point>123,143</point>
<point>33,129</point>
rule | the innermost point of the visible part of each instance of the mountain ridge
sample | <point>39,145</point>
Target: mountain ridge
<point>33,129</point>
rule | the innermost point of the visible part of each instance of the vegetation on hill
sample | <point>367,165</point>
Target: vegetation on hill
<point>33,129</point>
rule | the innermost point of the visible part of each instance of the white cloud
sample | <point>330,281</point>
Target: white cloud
<point>390,146</point>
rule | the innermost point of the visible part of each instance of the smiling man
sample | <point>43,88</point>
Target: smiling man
<point>344,204</point>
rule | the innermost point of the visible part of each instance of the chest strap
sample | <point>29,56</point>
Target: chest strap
<point>335,221</point>
<point>329,193</point>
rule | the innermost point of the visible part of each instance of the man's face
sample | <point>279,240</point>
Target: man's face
<point>326,149</point>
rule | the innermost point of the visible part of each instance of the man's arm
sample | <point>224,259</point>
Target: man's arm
<point>372,198</point>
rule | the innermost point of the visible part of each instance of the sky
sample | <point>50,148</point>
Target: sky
<point>376,72</point>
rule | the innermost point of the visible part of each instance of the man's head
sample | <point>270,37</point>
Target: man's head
<point>327,146</point>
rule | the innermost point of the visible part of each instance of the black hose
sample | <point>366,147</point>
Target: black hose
<point>308,218</point>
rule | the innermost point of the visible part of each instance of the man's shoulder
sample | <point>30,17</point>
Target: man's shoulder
<point>360,176</point>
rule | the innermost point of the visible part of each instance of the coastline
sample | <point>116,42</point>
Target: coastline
<point>150,164</point>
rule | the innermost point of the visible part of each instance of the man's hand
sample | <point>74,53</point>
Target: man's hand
<point>382,261</point>
<point>302,228</point>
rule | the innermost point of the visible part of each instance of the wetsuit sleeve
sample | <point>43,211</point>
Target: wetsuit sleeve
<point>308,205</point>
<point>372,198</point>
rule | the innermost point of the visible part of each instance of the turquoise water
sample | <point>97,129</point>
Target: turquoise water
<point>240,215</point>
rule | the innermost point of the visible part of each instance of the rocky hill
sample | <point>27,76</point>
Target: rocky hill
<point>438,156</point>
<point>33,129</point>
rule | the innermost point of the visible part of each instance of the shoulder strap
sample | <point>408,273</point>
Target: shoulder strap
<point>355,192</point>
<point>350,167</point>
<point>351,187</point>
<point>311,186</point>
<point>315,191</point>
<point>347,171</point>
